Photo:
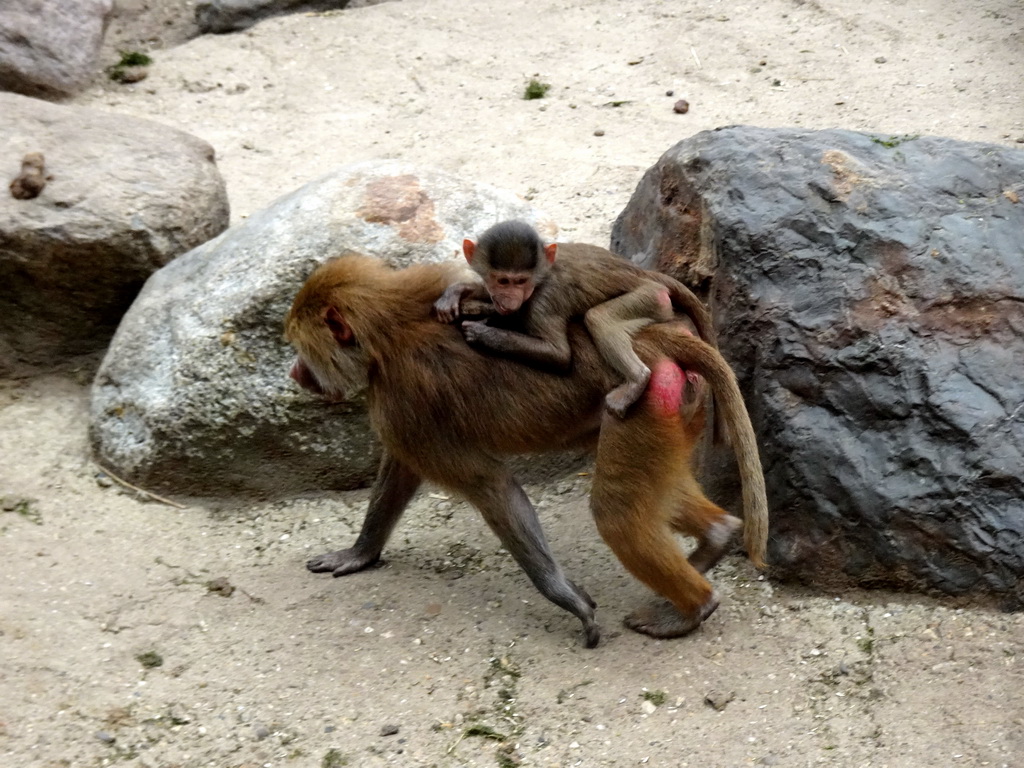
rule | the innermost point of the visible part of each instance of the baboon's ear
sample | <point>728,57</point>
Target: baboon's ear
<point>340,330</point>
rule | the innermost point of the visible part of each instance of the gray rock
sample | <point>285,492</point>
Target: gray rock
<point>50,48</point>
<point>193,396</point>
<point>869,291</point>
<point>125,197</point>
<point>719,699</point>
<point>233,15</point>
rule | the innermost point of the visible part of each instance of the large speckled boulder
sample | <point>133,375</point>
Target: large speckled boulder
<point>193,396</point>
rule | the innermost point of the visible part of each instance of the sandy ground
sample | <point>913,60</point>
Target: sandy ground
<point>122,641</point>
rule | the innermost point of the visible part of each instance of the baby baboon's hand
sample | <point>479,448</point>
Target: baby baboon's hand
<point>446,309</point>
<point>475,331</point>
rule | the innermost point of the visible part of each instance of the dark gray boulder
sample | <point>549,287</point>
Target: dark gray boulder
<point>123,197</point>
<point>233,15</point>
<point>193,396</point>
<point>50,47</point>
<point>869,292</point>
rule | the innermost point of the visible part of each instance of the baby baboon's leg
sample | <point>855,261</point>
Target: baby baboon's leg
<point>612,325</point>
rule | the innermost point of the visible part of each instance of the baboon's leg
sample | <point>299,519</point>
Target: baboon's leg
<point>698,516</point>
<point>642,483</point>
<point>712,526</point>
<point>612,325</point>
<point>509,513</point>
<point>395,485</point>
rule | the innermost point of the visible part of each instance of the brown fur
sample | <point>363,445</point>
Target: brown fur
<point>448,414</point>
<point>546,287</point>
<point>640,506</point>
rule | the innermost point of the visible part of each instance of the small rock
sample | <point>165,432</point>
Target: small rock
<point>719,699</point>
<point>648,707</point>
<point>261,732</point>
<point>103,481</point>
<point>599,132</point>
<point>670,93</point>
<point>389,730</point>
<point>178,714</point>
<point>105,737</point>
<point>681,107</point>
<point>508,756</point>
<point>150,659</point>
<point>30,182</point>
<point>220,586</point>
<point>127,75</point>
<point>880,59</point>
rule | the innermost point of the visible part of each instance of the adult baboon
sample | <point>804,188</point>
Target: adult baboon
<point>447,414</point>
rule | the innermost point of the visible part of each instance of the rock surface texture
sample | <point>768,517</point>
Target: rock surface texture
<point>233,15</point>
<point>193,396</point>
<point>869,292</point>
<point>50,47</point>
<point>122,197</point>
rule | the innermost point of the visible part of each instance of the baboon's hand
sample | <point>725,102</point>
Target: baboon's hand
<point>475,331</point>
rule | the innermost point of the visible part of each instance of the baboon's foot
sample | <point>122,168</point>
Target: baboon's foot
<point>715,543</point>
<point>623,396</point>
<point>661,619</point>
<point>591,631</point>
<point>342,562</point>
<point>591,634</point>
